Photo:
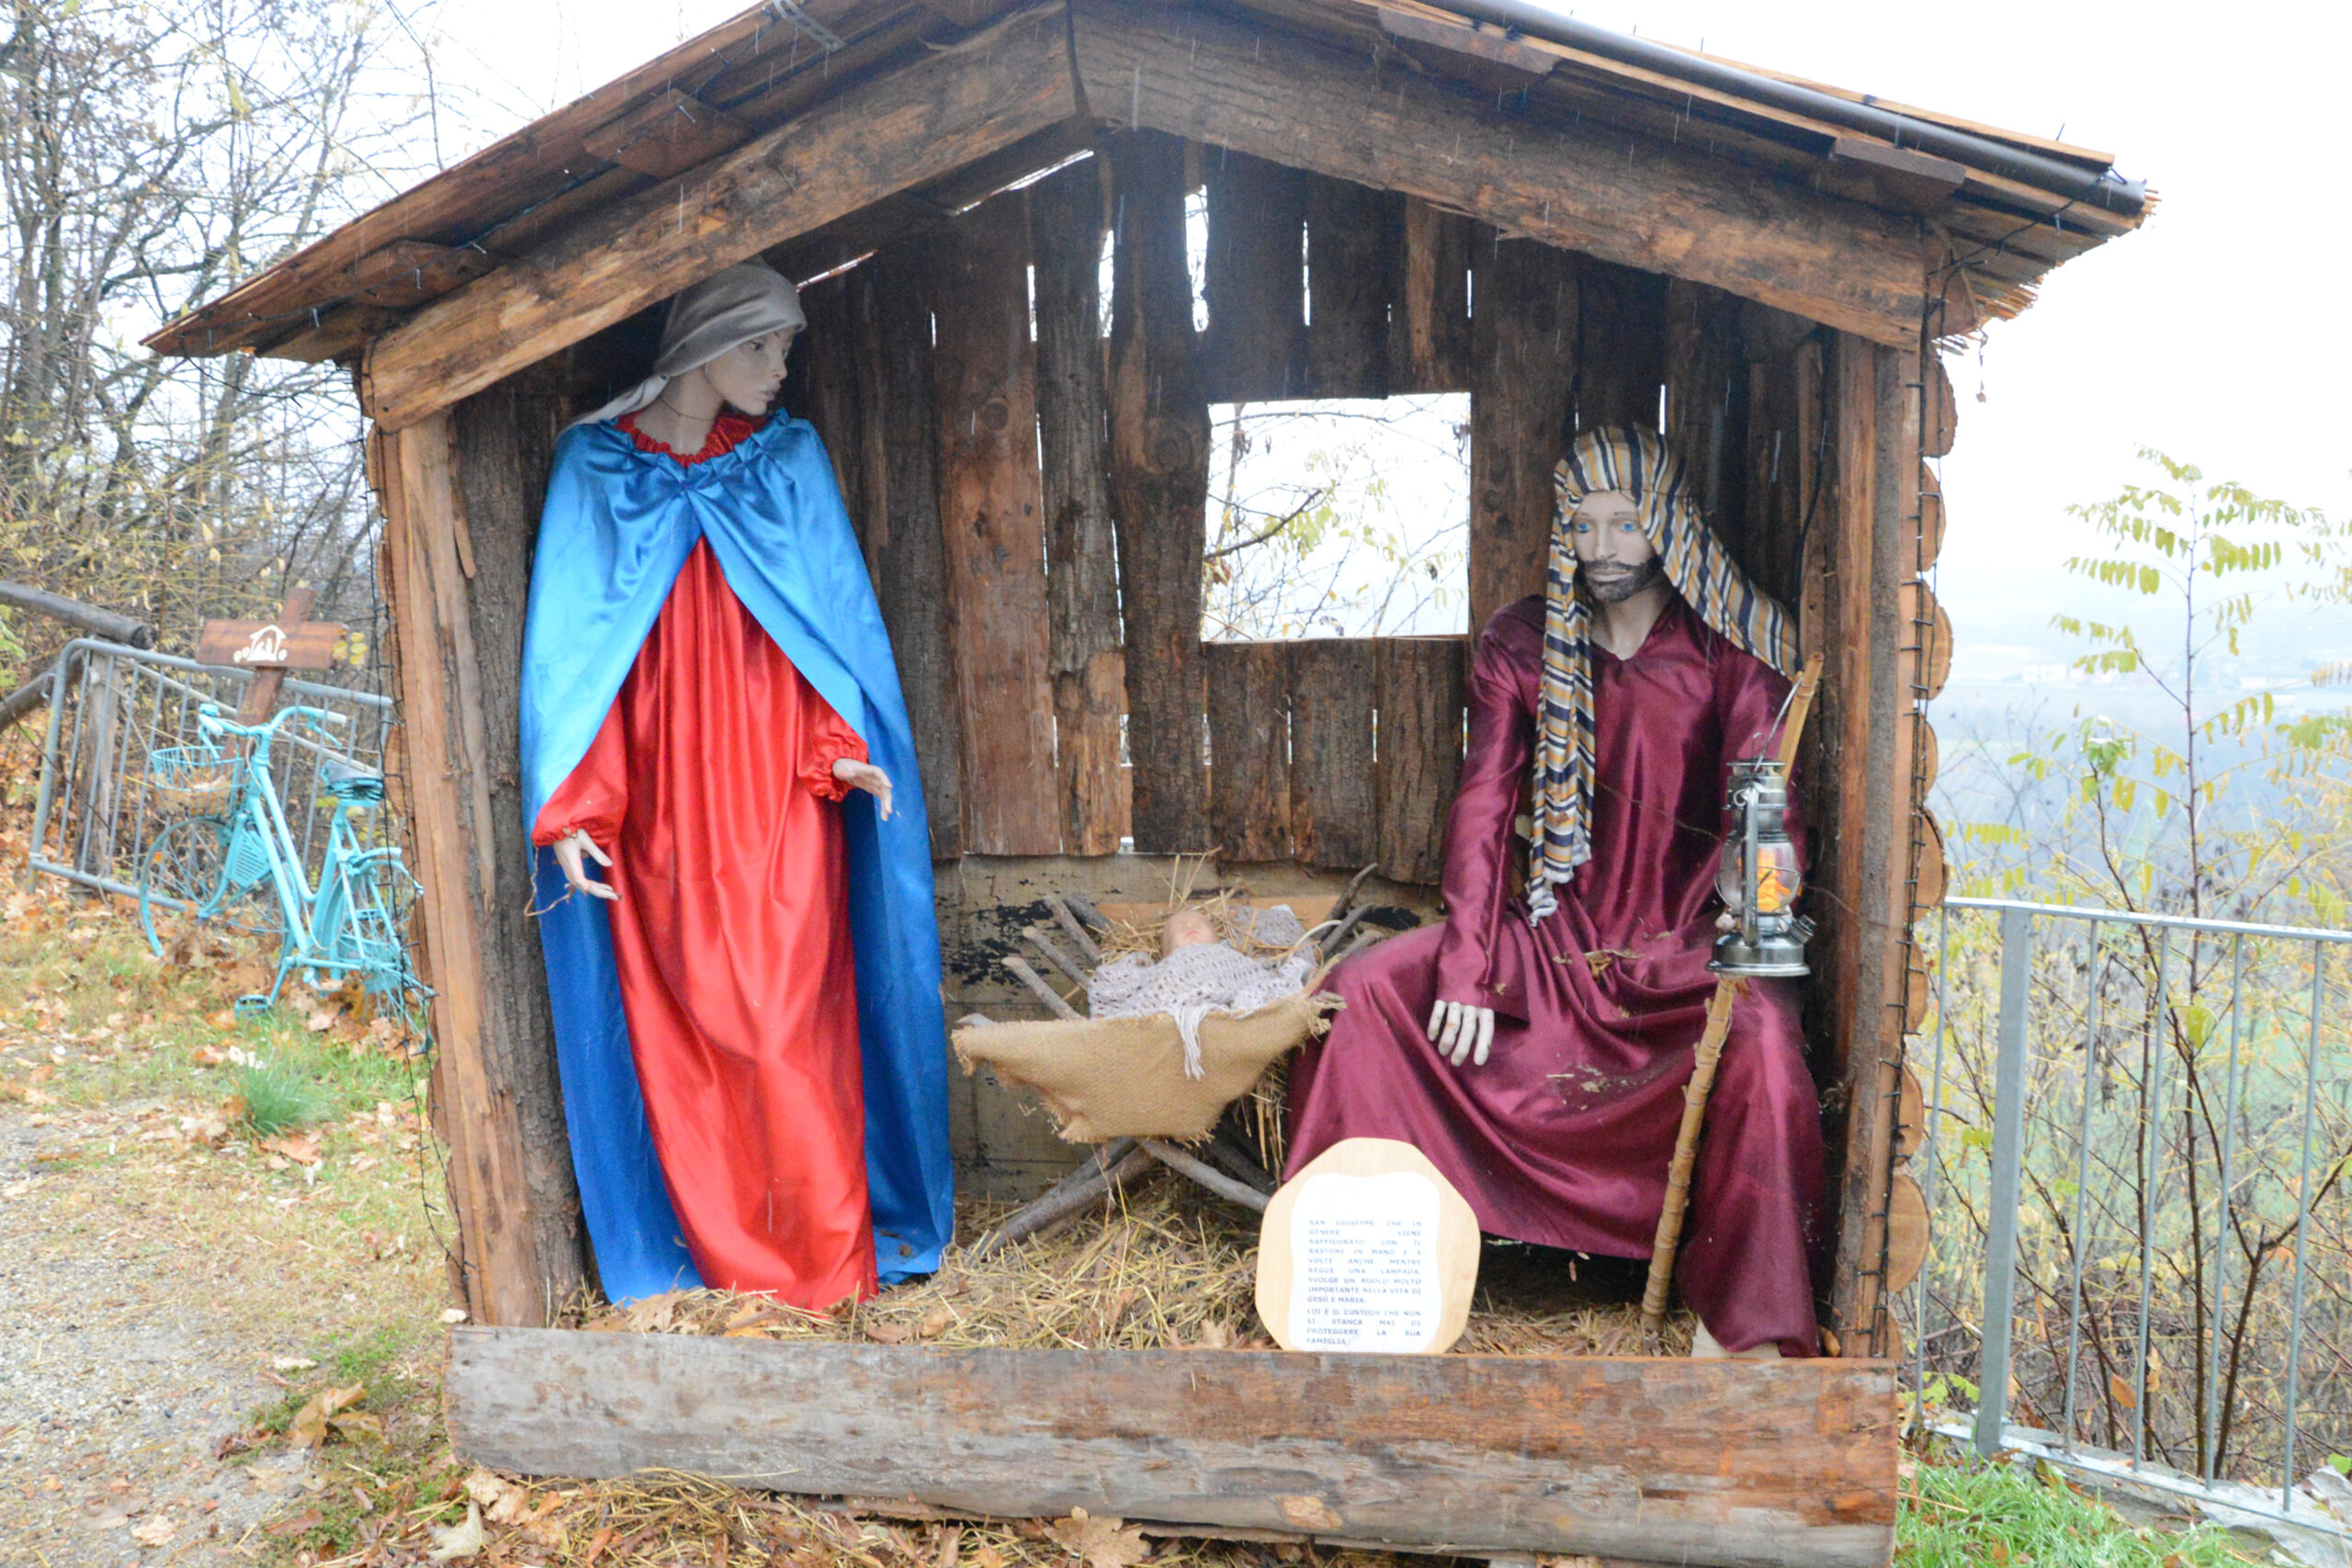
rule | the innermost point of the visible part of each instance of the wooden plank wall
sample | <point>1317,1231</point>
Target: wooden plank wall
<point>991,514</point>
<point>1336,753</point>
<point>1066,220</point>
<point>1159,456</point>
<point>1342,753</point>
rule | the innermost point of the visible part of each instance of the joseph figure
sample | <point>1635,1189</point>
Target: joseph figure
<point>1536,1044</point>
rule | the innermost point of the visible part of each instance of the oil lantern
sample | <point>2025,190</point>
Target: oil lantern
<point>1760,878</point>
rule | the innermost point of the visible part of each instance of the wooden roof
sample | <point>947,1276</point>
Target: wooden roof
<point>813,131</point>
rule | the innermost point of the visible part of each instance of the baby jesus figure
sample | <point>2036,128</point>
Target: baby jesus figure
<point>1197,975</point>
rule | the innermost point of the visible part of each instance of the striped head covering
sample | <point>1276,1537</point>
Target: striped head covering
<point>1640,464</point>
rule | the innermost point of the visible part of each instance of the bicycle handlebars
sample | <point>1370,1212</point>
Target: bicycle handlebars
<point>321,720</point>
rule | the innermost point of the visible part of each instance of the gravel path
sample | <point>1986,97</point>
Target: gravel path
<point>135,1340</point>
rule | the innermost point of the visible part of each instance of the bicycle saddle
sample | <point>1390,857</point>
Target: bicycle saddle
<point>350,781</point>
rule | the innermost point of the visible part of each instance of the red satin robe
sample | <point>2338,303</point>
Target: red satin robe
<point>711,786</point>
<point>1563,1137</point>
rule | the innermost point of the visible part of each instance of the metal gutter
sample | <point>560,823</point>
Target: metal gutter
<point>2104,189</point>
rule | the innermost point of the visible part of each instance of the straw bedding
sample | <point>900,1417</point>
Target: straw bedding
<point>1168,1266</point>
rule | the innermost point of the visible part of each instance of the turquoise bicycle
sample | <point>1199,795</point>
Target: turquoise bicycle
<point>229,860</point>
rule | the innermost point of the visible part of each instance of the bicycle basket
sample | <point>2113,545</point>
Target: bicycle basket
<point>199,780</point>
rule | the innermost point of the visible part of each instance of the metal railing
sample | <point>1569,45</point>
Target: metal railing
<point>2136,1158</point>
<point>112,707</point>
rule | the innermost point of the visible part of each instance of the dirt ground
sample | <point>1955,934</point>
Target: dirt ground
<point>173,1286</point>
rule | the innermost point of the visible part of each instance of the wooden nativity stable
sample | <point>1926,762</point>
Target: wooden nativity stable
<point>1401,197</point>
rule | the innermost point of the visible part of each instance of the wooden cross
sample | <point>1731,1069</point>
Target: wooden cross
<point>269,649</point>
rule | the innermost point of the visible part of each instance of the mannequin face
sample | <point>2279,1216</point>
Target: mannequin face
<point>748,375</point>
<point>1614,555</point>
<point>1185,927</point>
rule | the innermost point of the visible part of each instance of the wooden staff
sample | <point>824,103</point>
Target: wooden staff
<point>1703,1072</point>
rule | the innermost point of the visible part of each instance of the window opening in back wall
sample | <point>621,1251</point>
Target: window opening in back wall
<point>1345,518</point>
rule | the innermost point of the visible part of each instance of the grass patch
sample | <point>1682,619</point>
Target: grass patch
<point>278,1099</point>
<point>1964,1513</point>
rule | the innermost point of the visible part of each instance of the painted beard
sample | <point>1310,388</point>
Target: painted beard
<point>1614,584</point>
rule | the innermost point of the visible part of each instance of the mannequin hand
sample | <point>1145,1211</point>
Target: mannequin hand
<point>867,777</point>
<point>1462,1031</point>
<point>568,853</point>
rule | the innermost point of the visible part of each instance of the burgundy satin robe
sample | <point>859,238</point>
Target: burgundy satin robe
<point>1563,1137</point>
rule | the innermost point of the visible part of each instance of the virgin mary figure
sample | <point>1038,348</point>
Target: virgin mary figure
<point>747,1011</point>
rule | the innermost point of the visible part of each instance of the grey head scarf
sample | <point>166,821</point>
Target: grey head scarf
<point>747,300</point>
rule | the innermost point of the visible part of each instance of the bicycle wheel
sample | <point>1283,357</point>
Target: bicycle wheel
<point>183,884</point>
<point>380,902</point>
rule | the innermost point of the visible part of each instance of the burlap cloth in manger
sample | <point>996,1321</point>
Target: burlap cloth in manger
<point>1124,1078</point>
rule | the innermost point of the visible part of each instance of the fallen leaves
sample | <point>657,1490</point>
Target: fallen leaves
<point>1104,1542</point>
<point>464,1539</point>
<point>302,1148</point>
<point>157,1531</point>
<point>326,1411</point>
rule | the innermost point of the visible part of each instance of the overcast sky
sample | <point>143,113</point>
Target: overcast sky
<point>2216,333</point>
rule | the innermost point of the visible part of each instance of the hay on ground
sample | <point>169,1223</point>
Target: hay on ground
<point>1166,1268</point>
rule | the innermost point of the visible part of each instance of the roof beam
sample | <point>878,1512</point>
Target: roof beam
<point>873,140</point>
<point>1636,201</point>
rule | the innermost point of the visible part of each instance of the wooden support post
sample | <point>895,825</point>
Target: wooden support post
<point>1159,456</point>
<point>1875,457</point>
<point>1334,812</point>
<point>1254,280</point>
<point>1081,568</point>
<point>1620,345</point>
<point>1353,236</point>
<point>1524,358</point>
<point>992,509</point>
<point>911,574</point>
<point>1420,698</point>
<point>462,492</point>
<point>1428,328</point>
<point>1249,690</point>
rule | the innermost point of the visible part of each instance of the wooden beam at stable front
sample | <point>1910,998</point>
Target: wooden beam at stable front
<point>461,495</point>
<point>1638,201</point>
<point>876,138</point>
<point>1671,1461</point>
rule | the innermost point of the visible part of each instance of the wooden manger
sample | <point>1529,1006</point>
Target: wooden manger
<point>1568,227</point>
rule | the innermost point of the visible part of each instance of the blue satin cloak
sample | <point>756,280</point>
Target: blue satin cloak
<point>617,527</point>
